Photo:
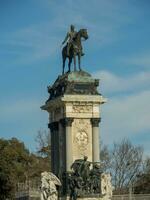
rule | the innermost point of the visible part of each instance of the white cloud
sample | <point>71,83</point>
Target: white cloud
<point>127,112</point>
<point>126,116</point>
<point>112,83</point>
<point>142,60</point>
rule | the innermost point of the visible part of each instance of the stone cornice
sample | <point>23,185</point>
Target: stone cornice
<point>84,98</point>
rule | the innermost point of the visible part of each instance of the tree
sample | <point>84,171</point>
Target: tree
<point>126,162</point>
<point>43,143</point>
<point>142,183</point>
<point>13,159</point>
<point>105,158</point>
<point>44,146</point>
<point>146,168</point>
<point>17,165</point>
<point>6,185</point>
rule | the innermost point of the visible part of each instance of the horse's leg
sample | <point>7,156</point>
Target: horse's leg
<point>74,57</point>
<point>64,60</point>
<point>69,64</point>
<point>79,61</point>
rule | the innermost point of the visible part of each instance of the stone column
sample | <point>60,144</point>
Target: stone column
<point>53,126</point>
<point>95,139</point>
<point>67,122</point>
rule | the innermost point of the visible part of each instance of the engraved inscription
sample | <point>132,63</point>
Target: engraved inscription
<point>82,109</point>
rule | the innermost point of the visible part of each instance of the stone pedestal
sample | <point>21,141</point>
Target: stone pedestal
<point>74,116</point>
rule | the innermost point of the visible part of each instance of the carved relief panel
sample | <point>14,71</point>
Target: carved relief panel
<point>82,138</point>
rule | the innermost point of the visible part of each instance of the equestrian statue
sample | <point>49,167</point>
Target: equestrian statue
<point>73,47</point>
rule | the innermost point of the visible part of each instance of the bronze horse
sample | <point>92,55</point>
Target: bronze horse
<point>75,50</point>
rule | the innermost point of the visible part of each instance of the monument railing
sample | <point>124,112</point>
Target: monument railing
<point>32,189</point>
<point>134,197</point>
<point>27,189</point>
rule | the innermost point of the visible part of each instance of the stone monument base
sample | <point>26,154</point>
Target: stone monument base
<point>99,197</point>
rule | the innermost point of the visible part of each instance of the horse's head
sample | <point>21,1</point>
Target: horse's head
<point>84,34</point>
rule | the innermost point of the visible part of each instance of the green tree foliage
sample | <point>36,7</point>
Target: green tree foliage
<point>13,163</point>
<point>6,186</point>
<point>17,165</point>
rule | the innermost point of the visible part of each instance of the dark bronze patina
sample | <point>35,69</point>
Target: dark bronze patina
<point>83,181</point>
<point>79,82</point>
<point>73,47</point>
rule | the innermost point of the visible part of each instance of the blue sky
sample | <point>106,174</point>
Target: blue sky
<point>117,52</point>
